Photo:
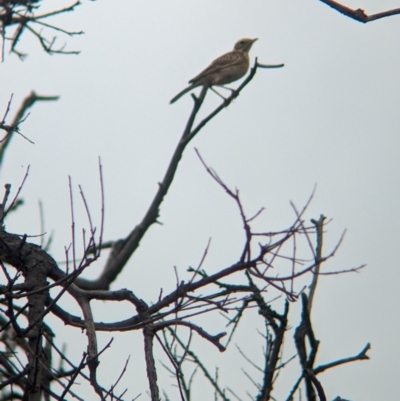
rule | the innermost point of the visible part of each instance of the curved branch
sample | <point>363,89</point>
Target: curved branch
<point>124,248</point>
<point>28,102</point>
<point>177,322</point>
<point>359,14</point>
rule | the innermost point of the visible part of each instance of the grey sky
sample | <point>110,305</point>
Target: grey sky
<point>330,117</point>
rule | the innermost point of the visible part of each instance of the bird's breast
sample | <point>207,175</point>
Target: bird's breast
<point>231,73</point>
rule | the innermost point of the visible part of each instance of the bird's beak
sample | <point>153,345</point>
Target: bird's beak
<point>253,40</point>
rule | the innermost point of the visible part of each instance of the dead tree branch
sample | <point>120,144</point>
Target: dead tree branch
<point>359,14</point>
<point>21,16</point>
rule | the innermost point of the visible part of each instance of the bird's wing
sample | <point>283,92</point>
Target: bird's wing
<point>226,60</point>
<point>229,58</point>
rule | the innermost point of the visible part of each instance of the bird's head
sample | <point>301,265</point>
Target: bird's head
<point>244,44</point>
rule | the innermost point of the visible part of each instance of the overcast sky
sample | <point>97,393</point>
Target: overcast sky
<point>329,118</point>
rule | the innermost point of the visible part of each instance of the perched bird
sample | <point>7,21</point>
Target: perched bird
<point>225,69</point>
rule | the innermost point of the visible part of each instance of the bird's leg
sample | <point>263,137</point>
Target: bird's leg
<point>229,89</point>
<point>212,88</point>
<point>234,92</point>
<point>226,99</point>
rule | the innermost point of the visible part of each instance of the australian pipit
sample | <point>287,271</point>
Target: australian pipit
<point>223,70</point>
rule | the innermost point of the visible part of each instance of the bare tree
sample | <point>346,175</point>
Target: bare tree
<point>30,272</point>
<point>28,342</point>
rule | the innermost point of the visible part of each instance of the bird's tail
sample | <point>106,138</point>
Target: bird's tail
<point>181,93</point>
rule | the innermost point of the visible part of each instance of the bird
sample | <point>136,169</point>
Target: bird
<point>225,69</point>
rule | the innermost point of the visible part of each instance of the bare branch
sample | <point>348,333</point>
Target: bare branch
<point>212,339</point>
<point>359,14</point>
<point>28,102</point>
<point>359,357</point>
